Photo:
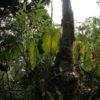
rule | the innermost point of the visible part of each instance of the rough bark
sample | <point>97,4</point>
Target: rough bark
<point>66,82</point>
<point>64,56</point>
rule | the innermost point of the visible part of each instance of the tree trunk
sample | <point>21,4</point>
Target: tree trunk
<point>64,56</point>
<point>65,80</point>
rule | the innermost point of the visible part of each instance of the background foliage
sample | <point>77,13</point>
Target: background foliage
<point>28,44</point>
<point>86,54</point>
<point>28,48</point>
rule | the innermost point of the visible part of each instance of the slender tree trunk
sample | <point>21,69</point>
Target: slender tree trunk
<point>66,83</point>
<point>64,56</point>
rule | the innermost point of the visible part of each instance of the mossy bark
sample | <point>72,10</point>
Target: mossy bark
<point>66,82</point>
<point>64,56</point>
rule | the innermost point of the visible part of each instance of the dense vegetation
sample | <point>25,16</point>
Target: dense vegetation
<point>86,54</point>
<point>25,42</point>
<point>36,59</point>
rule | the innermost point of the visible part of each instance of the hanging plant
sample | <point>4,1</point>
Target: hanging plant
<point>50,40</point>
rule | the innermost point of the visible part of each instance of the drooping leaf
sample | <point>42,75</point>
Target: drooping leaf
<point>33,53</point>
<point>11,49</point>
<point>24,6</point>
<point>15,51</point>
<point>50,40</point>
<point>56,40</point>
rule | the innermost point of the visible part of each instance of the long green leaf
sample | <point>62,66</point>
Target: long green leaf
<point>50,40</point>
<point>33,53</point>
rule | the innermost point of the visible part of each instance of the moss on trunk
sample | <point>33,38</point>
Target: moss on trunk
<point>66,83</point>
<point>64,56</point>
